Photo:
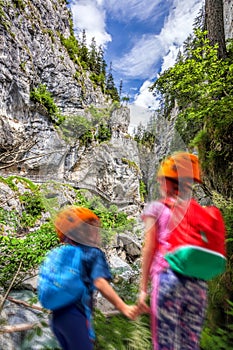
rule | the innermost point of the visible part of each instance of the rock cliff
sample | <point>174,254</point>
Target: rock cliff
<point>31,143</point>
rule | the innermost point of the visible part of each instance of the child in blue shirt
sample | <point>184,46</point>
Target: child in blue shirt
<point>80,226</point>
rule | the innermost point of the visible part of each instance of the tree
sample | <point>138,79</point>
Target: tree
<point>93,55</point>
<point>201,85</point>
<point>120,87</point>
<point>110,86</point>
<point>83,52</point>
<point>125,99</point>
<point>214,24</point>
<point>139,132</point>
<point>100,62</point>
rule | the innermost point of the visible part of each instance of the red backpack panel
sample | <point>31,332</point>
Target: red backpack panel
<point>197,240</point>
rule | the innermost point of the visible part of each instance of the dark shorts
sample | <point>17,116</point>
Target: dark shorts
<point>70,328</point>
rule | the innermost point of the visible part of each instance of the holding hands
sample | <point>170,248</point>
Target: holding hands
<point>141,304</point>
<point>133,311</point>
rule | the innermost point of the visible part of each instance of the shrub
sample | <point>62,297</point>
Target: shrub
<point>26,253</point>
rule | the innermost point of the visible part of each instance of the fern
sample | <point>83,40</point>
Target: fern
<point>118,333</point>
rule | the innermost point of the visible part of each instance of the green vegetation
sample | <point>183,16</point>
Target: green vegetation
<point>77,128</point>
<point>112,220</point>
<point>23,66</point>
<point>24,254</point>
<point>91,127</point>
<point>42,96</point>
<point>91,59</point>
<point>131,164</point>
<point>142,190</point>
<point>24,249</point>
<point>119,333</point>
<point>31,201</point>
<point>13,180</point>
<point>200,84</point>
<point>72,46</point>
<point>8,221</point>
<point>20,4</point>
<point>110,86</point>
<point>146,135</point>
<point>221,338</point>
<point>3,20</point>
<point>33,207</point>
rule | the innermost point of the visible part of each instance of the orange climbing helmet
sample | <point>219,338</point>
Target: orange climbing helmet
<point>180,165</point>
<point>78,224</point>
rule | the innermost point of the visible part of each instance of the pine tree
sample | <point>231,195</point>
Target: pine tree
<point>83,53</point>
<point>140,131</point>
<point>93,56</point>
<point>99,61</point>
<point>120,87</point>
<point>110,86</point>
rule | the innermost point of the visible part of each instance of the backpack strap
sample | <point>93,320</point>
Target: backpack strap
<point>86,300</point>
<point>169,202</point>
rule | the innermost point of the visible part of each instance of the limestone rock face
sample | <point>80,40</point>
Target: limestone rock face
<point>167,141</point>
<point>228,18</point>
<point>119,121</point>
<point>111,169</point>
<point>33,54</point>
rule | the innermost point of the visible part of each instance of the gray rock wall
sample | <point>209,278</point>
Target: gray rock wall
<point>228,18</point>
<point>32,54</point>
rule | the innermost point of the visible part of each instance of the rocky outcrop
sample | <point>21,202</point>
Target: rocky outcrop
<point>30,143</point>
<point>111,169</point>
<point>32,54</point>
<point>228,18</point>
<point>167,141</point>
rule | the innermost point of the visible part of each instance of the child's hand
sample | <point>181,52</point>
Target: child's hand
<point>131,311</point>
<point>142,305</point>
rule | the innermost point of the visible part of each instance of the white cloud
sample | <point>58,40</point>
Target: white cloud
<point>89,15</point>
<point>179,23</point>
<point>138,114</point>
<point>170,58</point>
<point>134,9</point>
<point>143,107</point>
<point>145,98</point>
<point>139,61</point>
<point>178,26</point>
<point>144,58</point>
<point>150,54</point>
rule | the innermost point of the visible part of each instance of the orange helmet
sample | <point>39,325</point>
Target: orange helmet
<point>181,165</point>
<point>79,224</point>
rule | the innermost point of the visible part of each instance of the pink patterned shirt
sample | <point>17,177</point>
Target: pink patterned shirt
<point>161,213</point>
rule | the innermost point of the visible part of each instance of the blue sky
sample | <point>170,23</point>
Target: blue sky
<point>140,38</point>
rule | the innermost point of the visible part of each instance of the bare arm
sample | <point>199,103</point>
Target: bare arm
<point>149,249</point>
<point>109,293</point>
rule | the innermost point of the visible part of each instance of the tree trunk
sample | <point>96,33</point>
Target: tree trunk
<point>214,24</point>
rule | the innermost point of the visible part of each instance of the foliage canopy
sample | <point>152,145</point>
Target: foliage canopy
<point>201,85</point>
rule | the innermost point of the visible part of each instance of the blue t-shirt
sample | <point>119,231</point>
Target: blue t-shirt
<point>94,266</point>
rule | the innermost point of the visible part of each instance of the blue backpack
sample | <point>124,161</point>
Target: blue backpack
<point>59,279</point>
